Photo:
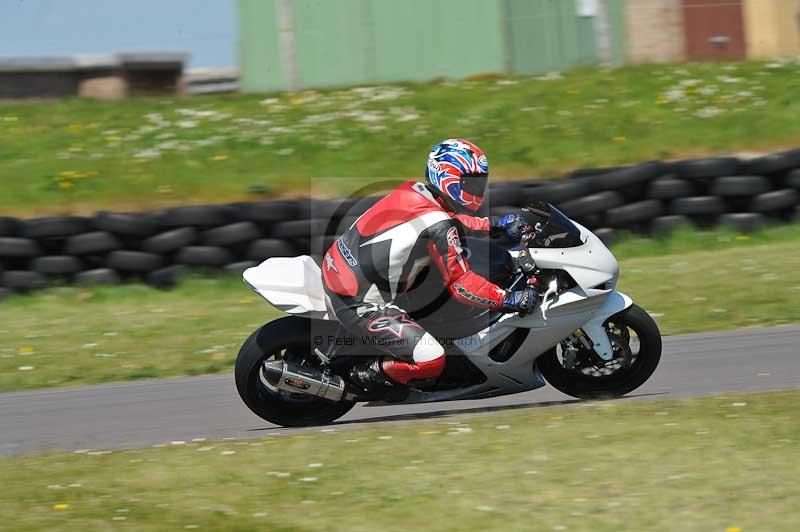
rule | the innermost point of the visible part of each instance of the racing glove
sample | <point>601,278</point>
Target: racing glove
<point>522,301</point>
<point>512,225</point>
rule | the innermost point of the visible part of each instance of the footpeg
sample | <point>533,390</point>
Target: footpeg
<point>324,358</point>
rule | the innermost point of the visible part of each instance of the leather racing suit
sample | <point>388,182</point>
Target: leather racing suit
<point>379,257</point>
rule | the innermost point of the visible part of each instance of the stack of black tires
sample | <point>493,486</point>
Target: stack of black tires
<point>656,197</point>
<point>154,247</point>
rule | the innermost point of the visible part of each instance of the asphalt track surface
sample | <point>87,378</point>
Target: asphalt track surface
<point>167,411</point>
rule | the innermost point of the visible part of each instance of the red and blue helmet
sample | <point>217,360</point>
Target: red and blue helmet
<point>459,171</point>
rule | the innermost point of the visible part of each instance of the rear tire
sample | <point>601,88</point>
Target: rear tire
<point>274,340</point>
<point>582,386</point>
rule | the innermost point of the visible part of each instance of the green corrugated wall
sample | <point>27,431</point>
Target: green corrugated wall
<point>332,42</point>
<point>420,39</point>
<point>344,42</point>
<point>548,35</point>
<point>347,42</point>
<point>259,50</point>
<point>616,19</point>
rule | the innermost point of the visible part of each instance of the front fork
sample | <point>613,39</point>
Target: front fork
<point>594,335</point>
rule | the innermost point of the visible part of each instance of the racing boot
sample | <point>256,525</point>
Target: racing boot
<point>373,384</point>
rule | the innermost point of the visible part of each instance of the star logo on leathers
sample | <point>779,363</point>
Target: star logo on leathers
<point>329,264</point>
<point>392,324</point>
<point>455,242</point>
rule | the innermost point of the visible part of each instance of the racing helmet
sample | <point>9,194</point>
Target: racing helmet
<point>458,172</point>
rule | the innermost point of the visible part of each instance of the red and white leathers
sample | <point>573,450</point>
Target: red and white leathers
<point>380,255</point>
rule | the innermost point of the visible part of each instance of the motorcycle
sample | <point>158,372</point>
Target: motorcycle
<point>584,338</point>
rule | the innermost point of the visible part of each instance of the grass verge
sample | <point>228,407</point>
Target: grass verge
<point>68,336</point>
<point>717,463</point>
<point>64,336</point>
<point>80,156</point>
<point>688,240</point>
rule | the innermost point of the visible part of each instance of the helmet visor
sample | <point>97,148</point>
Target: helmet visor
<point>475,184</point>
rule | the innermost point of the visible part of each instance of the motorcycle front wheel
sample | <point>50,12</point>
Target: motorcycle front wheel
<point>637,350</point>
<point>286,338</point>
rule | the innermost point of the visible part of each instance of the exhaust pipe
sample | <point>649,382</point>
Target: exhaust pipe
<point>291,378</point>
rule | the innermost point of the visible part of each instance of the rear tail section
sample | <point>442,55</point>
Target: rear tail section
<point>290,284</point>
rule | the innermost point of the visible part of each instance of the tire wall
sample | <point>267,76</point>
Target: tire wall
<point>154,247</point>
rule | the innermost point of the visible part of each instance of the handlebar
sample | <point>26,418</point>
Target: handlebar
<point>528,270</point>
<point>525,259</point>
<point>525,262</point>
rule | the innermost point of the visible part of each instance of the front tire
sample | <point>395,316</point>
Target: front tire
<point>583,383</point>
<point>289,337</point>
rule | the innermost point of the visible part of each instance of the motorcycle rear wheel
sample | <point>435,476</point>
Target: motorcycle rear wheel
<point>618,383</point>
<point>290,338</point>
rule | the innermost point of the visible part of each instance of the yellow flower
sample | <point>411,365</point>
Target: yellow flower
<point>220,157</point>
<point>619,138</point>
<point>26,350</point>
<point>662,101</point>
<point>66,184</point>
<point>113,138</point>
<point>61,506</point>
<point>733,529</point>
<point>742,237</point>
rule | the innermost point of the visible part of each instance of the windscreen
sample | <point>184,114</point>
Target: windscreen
<point>557,231</point>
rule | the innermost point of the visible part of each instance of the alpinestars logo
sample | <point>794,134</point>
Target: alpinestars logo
<point>392,324</point>
<point>466,294</point>
<point>346,253</point>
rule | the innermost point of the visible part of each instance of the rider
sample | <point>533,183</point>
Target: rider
<point>379,256</point>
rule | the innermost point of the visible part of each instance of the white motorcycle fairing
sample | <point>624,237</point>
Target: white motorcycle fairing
<point>290,284</point>
<point>585,307</point>
<point>294,285</point>
<point>595,269</point>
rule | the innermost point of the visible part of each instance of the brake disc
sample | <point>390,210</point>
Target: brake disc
<point>622,350</point>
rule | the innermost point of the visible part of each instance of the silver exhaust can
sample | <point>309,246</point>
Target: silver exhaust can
<point>288,377</point>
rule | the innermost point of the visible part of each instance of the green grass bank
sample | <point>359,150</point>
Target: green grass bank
<point>80,156</point>
<point>723,463</point>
